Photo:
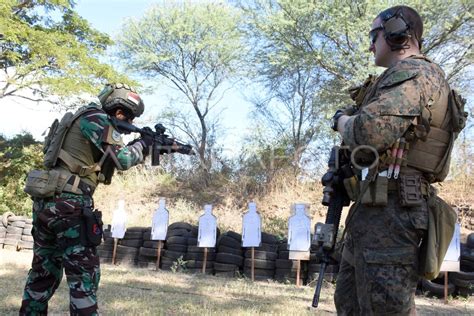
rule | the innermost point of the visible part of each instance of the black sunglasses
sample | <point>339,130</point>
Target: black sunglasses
<point>373,34</point>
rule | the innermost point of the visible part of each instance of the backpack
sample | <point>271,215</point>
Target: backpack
<point>53,142</point>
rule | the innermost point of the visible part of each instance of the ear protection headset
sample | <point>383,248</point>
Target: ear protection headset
<point>396,30</point>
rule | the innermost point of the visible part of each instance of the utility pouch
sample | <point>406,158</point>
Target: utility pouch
<point>410,191</point>
<point>92,227</point>
<point>377,192</point>
<point>352,188</point>
<point>41,183</point>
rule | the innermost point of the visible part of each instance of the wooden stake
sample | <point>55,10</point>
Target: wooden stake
<point>115,250</point>
<point>298,270</point>
<point>158,256</point>
<point>252,272</point>
<point>204,261</point>
<point>446,287</point>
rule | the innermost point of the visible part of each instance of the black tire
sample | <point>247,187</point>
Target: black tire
<point>133,235</point>
<point>14,230</point>
<point>178,232</point>
<point>268,247</point>
<point>232,234</point>
<point>138,229</point>
<point>470,241</point>
<point>152,244</point>
<point>193,264</point>
<point>234,251</point>
<point>263,255</point>
<point>125,250</point>
<point>286,264</point>
<point>137,243</point>
<point>283,254</point>
<point>27,238</point>
<point>177,247</point>
<point>178,240</point>
<point>146,265</point>
<point>192,241</point>
<point>20,224</point>
<point>180,225</point>
<point>199,256</point>
<point>104,253</point>
<point>148,252</point>
<point>267,274</point>
<point>260,264</point>
<point>228,242</point>
<point>467,265</point>
<point>225,267</point>
<point>436,289</point>
<point>229,258</point>
<point>269,238</point>
<point>283,246</point>
<point>200,249</point>
<point>199,271</point>
<point>173,254</point>
<point>462,275</point>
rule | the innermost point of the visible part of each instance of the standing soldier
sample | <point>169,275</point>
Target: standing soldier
<point>81,150</point>
<point>404,116</point>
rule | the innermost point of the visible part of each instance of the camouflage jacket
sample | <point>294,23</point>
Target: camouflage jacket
<point>391,104</point>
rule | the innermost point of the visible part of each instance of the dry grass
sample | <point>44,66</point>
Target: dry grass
<point>143,292</point>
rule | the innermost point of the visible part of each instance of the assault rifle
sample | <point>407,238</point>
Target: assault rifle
<point>162,144</point>
<point>335,198</point>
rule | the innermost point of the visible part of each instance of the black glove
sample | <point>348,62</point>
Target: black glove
<point>350,110</point>
<point>336,118</point>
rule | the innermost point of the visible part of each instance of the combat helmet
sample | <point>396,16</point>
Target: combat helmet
<point>121,96</point>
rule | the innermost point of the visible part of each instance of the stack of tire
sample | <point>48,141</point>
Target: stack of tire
<point>459,283</point>
<point>265,257</point>
<point>195,259</point>
<point>3,230</point>
<point>105,249</point>
<point>148,253</point>
<point>179,235</point>
<point>286,269</point>
<point>314,266</point>
<point>229,258</point>
<point>16,236</point>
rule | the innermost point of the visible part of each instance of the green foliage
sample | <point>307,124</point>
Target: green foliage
<point>18,156</point>
<point>195,47</point>
<point>47,48</point>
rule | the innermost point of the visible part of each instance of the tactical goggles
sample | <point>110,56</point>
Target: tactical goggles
<point>373,34</point>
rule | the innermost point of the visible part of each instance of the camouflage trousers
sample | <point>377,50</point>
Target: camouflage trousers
<point>378,274</point>
<point>57,245</point>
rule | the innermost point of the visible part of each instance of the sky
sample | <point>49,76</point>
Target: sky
<point>107,16</point>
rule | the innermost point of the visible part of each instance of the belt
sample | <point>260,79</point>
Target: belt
<point>77,186</point>
<point>394,186</point>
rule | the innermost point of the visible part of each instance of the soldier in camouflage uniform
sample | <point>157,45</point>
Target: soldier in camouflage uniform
<point>378,274</point>
<point>57,220</point>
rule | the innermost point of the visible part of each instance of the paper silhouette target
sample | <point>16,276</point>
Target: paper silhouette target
<point>251,227</point>
<point>119,221</point>
<point>299,229</point>
<point>207,229</point>
<point>160,221</point>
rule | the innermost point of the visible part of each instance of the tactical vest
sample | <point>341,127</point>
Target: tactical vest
<point>68,150</point>
<point>431,138</point>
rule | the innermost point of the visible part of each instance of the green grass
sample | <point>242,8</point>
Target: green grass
<point>132,291</point>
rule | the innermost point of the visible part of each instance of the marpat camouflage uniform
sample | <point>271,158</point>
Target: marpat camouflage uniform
<point>379,270</point>
<point>57,230</point>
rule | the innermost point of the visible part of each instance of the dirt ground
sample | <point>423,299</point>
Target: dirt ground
<point>130,291</point>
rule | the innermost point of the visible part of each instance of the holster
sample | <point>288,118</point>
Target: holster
<point>92,227</point>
